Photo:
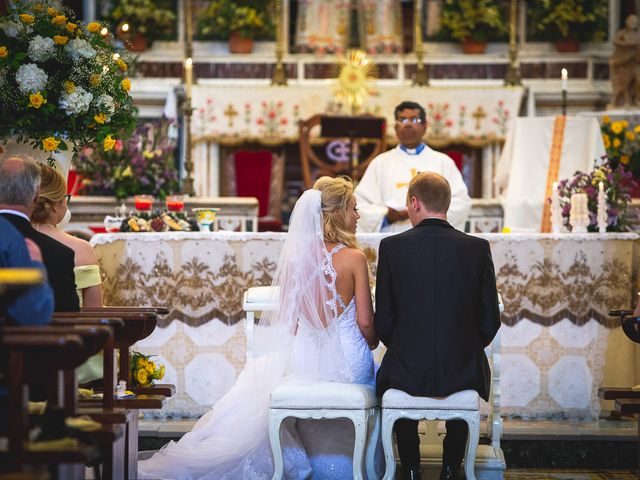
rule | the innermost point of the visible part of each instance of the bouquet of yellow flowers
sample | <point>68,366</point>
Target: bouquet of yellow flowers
<point>144,371</point>
<point>622,143</point>
<point>61,82</point>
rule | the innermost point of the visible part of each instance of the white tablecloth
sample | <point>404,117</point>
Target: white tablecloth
<point>558,344</point>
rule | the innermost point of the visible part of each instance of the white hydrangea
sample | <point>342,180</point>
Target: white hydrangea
<point>76,102</point>
<point>79,48</point>
<point>10,29</point>
<point>30,78</point>
<point>106,102</point>
<point>41,48</point>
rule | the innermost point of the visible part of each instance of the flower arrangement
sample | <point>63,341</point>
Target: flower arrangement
<point>616,181</point>
<point>144,164</point>
<point>144,371</point>
<point>478,20</point>
<point>144,17</point>
<point>622,143</point>
<point>570,19</point>
<point>249,18</point>
<point>61,82</point>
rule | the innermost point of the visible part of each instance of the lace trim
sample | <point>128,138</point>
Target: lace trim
<point>331,284</point>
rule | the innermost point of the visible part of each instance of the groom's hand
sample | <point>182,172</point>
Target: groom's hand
<point>396,215</point>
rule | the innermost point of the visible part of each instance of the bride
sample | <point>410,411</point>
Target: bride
<point>321,331</point>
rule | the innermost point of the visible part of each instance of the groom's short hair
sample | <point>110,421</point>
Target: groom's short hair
<point>433,191</point>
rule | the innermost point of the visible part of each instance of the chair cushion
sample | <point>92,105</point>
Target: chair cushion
<point>464,400</point>
<point>329,395</point>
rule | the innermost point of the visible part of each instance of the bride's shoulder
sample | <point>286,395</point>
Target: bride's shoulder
<point>352,256</point>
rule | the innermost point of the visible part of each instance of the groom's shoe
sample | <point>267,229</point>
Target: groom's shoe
<point>411,474</point>
<point>450,473</point>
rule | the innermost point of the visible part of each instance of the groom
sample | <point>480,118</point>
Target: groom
<point>436,310</point>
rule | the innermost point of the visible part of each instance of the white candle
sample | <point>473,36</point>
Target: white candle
<point>554,188</point>
<point>601,187</point>
<point>565,79</point>
<point>188,75</point>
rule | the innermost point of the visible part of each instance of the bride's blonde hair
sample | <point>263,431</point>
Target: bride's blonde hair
<point>53,188</point>
<point>336,195</point>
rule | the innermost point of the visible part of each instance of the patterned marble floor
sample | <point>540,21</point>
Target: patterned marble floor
<point>545,474</point>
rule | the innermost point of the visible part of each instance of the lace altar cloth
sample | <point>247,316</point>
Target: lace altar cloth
<point>558,344</point>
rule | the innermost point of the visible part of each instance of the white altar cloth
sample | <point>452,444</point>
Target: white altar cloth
<point>558,344</point>
<point>523,167</point>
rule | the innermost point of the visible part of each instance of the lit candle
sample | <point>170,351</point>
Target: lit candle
<point>565,78</point>
<point>188,75</point>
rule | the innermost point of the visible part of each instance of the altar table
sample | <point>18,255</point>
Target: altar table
<point>558,344</point>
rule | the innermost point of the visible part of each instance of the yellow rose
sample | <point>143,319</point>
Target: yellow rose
<point>637,129</point>
<point>151,367</point>
<point>122,64</point>
<point>94,79</point>
<point>100,118</point>
<point>127,171</point>
<point>52,11</point>
<point>630,135</point>
<point>147,154</point>
<point>625,123</point>
<point>616,127</point>
<point>50,144</point>
<point>93,27</point>
<point>69,86</point>
<point>606,140</point>
<point>126,84</point>
<point>506,230</point>
<point>141,363</point>
<point>108,143</point>
<point>616,143</point>
<point>59,20</point>
<point>26,18</point>
<point>606,119</point>
<point>38,7</point>
<point>3,52</point>
<point>60,39</point>
<point>71,27</point>
<point>141,376</point>
<point>36,100</point>
<point>624,159</point>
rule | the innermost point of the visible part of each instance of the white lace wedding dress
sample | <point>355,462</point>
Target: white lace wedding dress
<point>231,441</point>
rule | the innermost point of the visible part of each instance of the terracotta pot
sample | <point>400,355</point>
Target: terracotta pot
<point>565,46</point>
<point>473,46</point>
<point>240,44</point>
<point>139,43</point>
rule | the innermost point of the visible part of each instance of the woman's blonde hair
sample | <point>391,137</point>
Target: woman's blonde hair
<point>336,195</point>
<point>53,189</point>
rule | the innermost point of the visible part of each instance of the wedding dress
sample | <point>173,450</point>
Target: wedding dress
<point>312,336</point>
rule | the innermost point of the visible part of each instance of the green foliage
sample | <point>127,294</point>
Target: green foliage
<point>478,20</point>
<point>147,17</point>
<point>553,20</point>
<point>251,18</point>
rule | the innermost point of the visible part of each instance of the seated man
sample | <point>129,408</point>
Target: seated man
<point>34,306</point>
<point>19,185</point>
<point>382,191</point>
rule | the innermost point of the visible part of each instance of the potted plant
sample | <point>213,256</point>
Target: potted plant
<point>62,84</point>
<point>239,22</point>
<point>139,22</point>
<point>569,22</point>
<point>472,22</point>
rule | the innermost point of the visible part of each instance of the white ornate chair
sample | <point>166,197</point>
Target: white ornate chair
<point>326,400</point>
<point>484,462</point>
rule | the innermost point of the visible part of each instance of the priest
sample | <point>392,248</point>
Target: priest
<point>382,192</point>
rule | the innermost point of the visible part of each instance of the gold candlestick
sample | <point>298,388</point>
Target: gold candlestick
<point>513,76</point>
<point>422,75</point>
<point>279,73</point>
<point>187,110</point>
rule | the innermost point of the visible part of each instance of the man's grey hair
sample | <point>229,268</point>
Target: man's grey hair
<point>19,179</point>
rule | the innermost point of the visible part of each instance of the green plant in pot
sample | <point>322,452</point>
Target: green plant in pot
<point>239,22</point>
<point>139,22</point>
<point>568,22</point>
<point>472,22</point>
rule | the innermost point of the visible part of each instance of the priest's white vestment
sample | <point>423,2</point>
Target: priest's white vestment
<point>385,183</point>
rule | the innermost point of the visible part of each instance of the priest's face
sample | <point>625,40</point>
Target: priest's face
<point>410,128</point>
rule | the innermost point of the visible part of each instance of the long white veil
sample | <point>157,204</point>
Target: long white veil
<point>297,342</point>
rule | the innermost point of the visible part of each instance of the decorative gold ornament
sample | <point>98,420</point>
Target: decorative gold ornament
<point>354,80</point>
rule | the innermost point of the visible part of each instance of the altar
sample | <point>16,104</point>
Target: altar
<point>558,344</point>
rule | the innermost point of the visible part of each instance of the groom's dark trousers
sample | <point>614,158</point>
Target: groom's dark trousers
<point>436,310</point>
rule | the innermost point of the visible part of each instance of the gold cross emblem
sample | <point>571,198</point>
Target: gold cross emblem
<point>414,172</point>
<point>478,115</point>
<point>230,112</point>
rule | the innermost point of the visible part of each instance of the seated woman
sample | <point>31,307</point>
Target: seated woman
<point>50,210</point>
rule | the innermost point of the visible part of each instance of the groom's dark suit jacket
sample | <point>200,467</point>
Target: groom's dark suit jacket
<point>436,310</point>
<point>59,260</point>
